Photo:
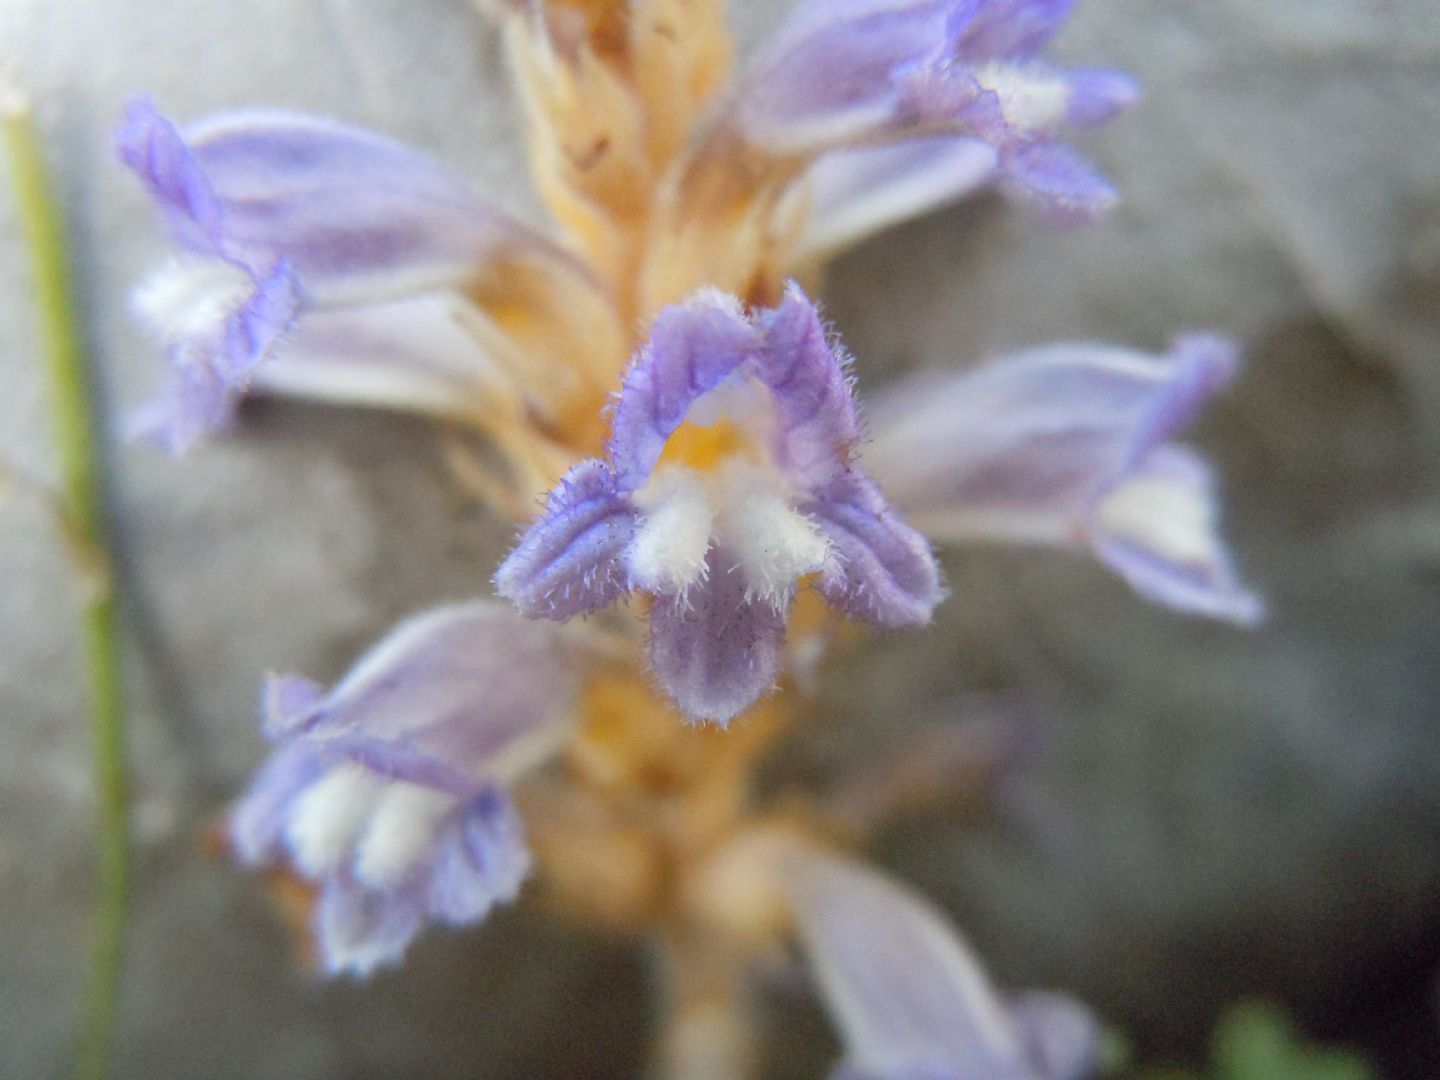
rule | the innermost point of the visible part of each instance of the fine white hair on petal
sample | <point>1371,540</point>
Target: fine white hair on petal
<point>1174,520</point>
<point>774,544</point>
<point>1158,529</point>
<point>1032,98</point>
<point>708,297</point>
<point>668,552</point>
<point>329,817</point>
<point>188,298</point>
<point>401,832</point>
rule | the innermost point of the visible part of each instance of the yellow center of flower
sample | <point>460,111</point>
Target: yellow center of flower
<point>704,448</point>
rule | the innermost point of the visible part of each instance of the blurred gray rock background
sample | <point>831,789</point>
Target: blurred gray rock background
<point>1217,812</point>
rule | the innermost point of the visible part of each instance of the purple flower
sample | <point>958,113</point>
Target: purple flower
<point>323,260</point>
<point>1070,446</point>
<point>388,790</point>
<point>902,105</point>
<point>910,1000</point>
<point>728,479</point>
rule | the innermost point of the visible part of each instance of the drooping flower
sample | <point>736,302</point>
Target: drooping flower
<point>901,105</point>
<point>321,260</point>
<point>1071,446</point>
<point>729,478</point>
<point>910,1000</point>
<point>388,791</point>
<point>854,115</point>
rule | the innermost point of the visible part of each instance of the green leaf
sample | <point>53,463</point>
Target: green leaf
<point>1256,1042</point>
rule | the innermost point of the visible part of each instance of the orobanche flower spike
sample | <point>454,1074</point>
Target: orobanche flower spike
<point>656,376</point>
<point>729,478</point>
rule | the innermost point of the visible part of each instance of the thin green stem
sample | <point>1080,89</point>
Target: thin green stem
<point>83,493</point>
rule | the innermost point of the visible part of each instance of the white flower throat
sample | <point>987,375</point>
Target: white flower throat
<point>740,503</point>
<point>387,826</point>
<point>1031,99</point>
<point>188,299</point>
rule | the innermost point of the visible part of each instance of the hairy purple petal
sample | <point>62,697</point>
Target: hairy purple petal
<point>289,702</point>
<point>451,869</point>
<point>352,211</point>
<point>910,1000</point>
<point>1051,427</point>
<point>154,150</point>
<point>831,69</point>
<point>453,698</point>
<point>880,570</point>
<point>570,560</point>
<point>1005,29</point>
<point>944,99</point>
<point>193,403</point>
<point>214,365</point>
<point>1070,446</point>
<point>1097,97</point>
<point>257,821</point>
<point>693,347</point>
<point>1057,181</point>
<point>481,860</point>
<point>721,548</point>
<point>714,650</point>
<point>815,411</point>
<point>720,545</point>
<point>252,331</point>
<point>360,930</point>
